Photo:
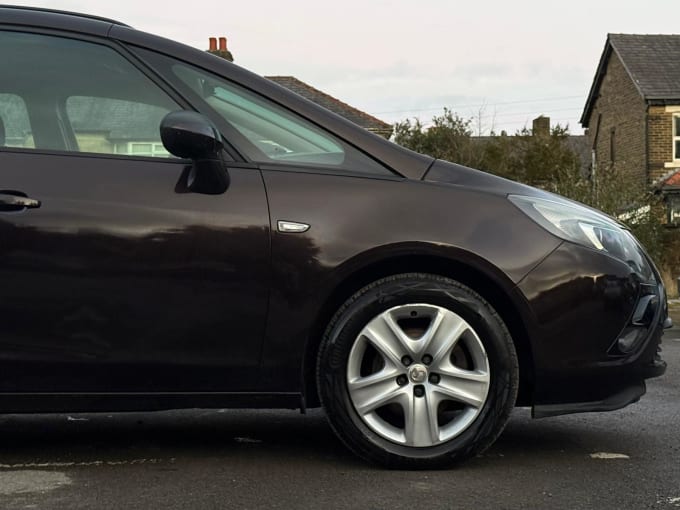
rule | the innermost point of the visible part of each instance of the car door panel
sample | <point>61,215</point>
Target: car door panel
<point>118,282</point>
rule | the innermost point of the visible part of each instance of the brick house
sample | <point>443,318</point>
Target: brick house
<point>632,114</point>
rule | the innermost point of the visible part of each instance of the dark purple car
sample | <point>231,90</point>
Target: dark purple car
<point>177,232</point>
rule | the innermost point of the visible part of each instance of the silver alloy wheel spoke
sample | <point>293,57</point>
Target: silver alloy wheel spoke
<point>374,380</point>
<point>466,391</point>
<point>421,428</point>
<point>454,372</point>
<point>448,341</point>
<point>368,396</point>
<point>428,340</point>
<point>378,379</point>
<point>381,337</point>
<point>406,343</point>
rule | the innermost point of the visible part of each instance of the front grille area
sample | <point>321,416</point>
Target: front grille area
<point>651,309</point>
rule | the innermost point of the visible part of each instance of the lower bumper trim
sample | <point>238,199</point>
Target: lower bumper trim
<point>629,395</point>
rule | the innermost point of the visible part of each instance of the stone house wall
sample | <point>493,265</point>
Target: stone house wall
<point>617,128</point>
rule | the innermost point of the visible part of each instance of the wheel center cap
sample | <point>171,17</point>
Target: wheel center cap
<point>417,373</point>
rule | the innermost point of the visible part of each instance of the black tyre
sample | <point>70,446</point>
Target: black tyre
<point>417,371</point>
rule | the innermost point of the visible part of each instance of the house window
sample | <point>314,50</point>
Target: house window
<point>612,145</point>
<point>676,138</point>
<point>673,208</point>
<point>150,149</point>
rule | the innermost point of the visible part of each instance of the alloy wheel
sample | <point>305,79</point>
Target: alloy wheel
<point>418,375</point>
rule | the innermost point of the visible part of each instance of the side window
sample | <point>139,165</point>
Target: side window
<point>272,134</point>
<point>79,96</point>
<point>15,128</point>
<point>276,133</point>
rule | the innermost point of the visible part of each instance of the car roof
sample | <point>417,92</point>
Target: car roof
<point>54,19</point>
<point>58,11</point>
<point>404,161</point>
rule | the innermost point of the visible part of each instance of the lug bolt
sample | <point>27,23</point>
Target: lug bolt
<point>402,380</point>
<point>435,378</point>
<point>419,391</point>
<point>406,360</point>
<point>427,359</point>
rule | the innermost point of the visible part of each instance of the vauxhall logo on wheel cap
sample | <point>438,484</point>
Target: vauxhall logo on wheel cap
<point>417,374</point>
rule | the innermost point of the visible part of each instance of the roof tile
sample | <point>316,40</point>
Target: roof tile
<point>330,103</point>
<point>653,62</point>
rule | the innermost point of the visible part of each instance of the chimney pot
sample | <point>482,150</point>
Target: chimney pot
<point>223,44</point>
<point>213,44</point>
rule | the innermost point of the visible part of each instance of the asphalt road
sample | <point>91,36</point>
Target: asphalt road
<point>280,459</point>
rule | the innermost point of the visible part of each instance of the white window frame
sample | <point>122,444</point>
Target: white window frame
<point>157,149</point>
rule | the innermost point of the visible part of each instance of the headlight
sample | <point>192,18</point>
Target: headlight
<point>586,227</point>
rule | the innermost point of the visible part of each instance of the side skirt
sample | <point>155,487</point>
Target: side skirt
<point>120,402</point>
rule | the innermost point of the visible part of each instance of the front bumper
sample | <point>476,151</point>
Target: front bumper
<point>621,389</point>
<point>597,332</point>
<point>629,395</point>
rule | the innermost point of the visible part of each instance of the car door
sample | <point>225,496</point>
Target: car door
<point>113,278</point>
<point>323,195</point>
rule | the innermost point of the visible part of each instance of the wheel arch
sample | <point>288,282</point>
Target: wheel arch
<point>487,281</point>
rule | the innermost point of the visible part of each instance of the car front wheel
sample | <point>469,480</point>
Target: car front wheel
<point>417,371</point>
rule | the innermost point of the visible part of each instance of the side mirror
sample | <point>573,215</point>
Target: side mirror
<point>190,135</point>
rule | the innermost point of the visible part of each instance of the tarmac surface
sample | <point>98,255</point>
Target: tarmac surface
<point>627,459</point>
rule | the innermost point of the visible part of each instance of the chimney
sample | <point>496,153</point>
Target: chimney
<point>541,126</point>
<point>222,51</point>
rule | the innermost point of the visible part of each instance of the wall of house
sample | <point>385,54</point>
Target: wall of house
<point>660,141</point>
<point>94,142</point>
<point>619,113</point>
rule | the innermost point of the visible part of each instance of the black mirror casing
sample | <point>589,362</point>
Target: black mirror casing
<point>190,135</point>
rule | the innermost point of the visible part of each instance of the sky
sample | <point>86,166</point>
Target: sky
<point>498,63</point>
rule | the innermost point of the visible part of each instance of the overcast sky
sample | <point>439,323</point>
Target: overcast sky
<point>508,60</point>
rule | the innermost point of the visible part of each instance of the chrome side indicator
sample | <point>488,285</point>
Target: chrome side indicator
<point>292,227</point>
